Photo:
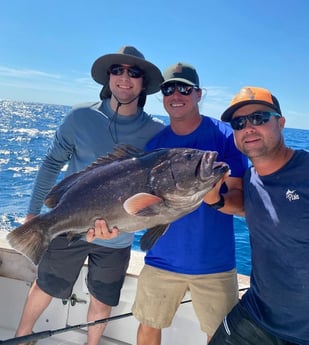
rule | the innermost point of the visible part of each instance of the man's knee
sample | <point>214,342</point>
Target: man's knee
<point>148,335</point>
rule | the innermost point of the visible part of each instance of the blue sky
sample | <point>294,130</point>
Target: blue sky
<point>48,47</point>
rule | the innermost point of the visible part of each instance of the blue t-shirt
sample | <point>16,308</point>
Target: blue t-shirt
<point>277,213</point>
<point>201,242</point>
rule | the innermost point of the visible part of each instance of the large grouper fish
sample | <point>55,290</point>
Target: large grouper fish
<point>130,189</point>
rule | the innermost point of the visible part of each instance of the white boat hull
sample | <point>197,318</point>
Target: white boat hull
<point>17,273</point>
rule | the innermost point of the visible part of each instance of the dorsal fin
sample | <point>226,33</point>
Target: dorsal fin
<point>120,152</point>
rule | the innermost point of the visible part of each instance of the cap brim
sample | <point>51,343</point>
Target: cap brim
<point>228,114</point>
<point>181,80</point>
<point>153,76</point>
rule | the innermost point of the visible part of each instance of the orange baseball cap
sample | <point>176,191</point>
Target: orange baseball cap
<point>251,95</point>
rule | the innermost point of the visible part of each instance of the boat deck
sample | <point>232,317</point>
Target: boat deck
<point>17,273</point>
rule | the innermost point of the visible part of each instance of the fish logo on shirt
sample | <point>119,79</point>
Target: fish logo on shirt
<point>291,195</point>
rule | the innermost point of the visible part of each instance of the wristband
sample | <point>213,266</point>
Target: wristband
<point>219,204</point>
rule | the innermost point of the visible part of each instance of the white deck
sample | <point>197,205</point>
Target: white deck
<point>17,273</point>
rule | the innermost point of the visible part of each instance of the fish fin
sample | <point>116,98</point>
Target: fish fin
<point>141,204</point>
<point>31,239</point>
<point>123,151</point>
<point>151,236</point>
<point>120,152</point>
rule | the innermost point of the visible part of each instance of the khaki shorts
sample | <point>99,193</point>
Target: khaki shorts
<point>160,292</point>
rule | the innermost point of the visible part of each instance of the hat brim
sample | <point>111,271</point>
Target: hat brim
<point>181,80</point>
<point>228,114</point>
<point>153,76</point>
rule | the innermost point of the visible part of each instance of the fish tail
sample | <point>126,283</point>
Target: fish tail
<point>31,239</point>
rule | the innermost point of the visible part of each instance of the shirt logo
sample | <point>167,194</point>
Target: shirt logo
<point>291,195</point>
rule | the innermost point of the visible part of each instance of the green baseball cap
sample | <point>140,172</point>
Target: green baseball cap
<point>181,72</point>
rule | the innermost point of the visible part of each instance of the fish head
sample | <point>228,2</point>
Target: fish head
<point>187,174</point>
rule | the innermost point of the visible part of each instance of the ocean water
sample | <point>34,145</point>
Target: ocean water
<point>26,130</point>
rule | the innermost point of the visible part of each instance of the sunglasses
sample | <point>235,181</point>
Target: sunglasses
<point>169,88</point>
<point>133,71</point>
<point>257,118</point>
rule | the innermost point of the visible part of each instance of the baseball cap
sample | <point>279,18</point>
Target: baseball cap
<point>251,95</point>
<point>181,72</point>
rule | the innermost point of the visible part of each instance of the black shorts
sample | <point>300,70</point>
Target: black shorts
<point>61,264</point>
<point>239,328</point>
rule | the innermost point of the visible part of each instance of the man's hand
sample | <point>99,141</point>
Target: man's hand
<point>101,231</point>
<point>233,198</point>
<point>213,195</point>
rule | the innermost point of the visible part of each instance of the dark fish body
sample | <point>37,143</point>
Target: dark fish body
<point>130,189</point>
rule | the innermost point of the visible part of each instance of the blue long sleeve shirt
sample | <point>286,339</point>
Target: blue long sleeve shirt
<point>85,134</point>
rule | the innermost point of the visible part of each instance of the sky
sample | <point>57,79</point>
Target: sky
<point>48,48</point>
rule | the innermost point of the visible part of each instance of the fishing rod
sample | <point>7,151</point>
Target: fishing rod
<point>49,333</point>
<point>241,289</point>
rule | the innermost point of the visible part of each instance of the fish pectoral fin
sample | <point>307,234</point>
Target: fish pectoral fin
<point>151,236</point>
<point>142,204</point>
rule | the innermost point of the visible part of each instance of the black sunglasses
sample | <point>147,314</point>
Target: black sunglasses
<point>169,88</point>
<point>133,71</point>
<point>257,118</point>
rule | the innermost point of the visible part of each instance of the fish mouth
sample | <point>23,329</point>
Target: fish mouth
<point>209,167</point>
<point>220,168</point>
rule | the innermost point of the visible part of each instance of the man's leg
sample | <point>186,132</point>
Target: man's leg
<point>213,296</point>
<point>158,296</point>
<point>36,302</point>
<point>238,328</point>
<point>106,273</point>
<point>148,335</point>
<point>57,273</point>
<point>97,311</point>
